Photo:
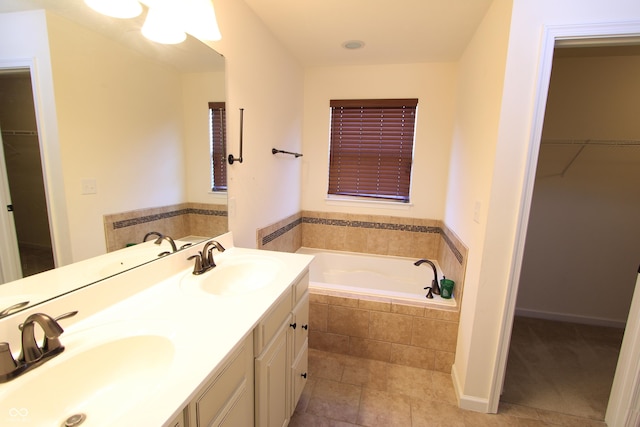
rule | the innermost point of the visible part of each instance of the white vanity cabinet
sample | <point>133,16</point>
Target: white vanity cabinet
<point>227,399</point>
<point>280,345</point>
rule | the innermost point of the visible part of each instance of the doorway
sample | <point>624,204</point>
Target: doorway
<point>27,248</point>
<point>580,256</point>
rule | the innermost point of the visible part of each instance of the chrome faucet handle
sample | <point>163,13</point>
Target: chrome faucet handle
<point>31,352</point>
<point>153,233</point>
<point>7,362</point>
<point>7,311</point>
<point>210,262</point>
<point>51,344</point>
<point>197,267</point>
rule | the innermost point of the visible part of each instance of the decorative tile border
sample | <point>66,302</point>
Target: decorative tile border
<point>281,231</point>
<point>164,215</point>
<point>368,225</point>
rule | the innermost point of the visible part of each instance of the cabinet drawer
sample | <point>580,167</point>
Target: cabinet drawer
<point>301,320</point>
<point>269,325</point>
<point>231,386</point>
<point>299,375</point>
<point>300,288</point>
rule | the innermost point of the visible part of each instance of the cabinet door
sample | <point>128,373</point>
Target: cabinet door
<point>272,379</point>
<point>301,322</point>
<point>227,400</point>
<point>299,374</point>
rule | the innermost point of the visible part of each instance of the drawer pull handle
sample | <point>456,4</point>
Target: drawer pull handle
<point>304,375</point>
<point>305,327</point>
<point>293,325</point>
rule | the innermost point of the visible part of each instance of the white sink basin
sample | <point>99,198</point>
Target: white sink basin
<point>235,275</point>
<point>94,382</point>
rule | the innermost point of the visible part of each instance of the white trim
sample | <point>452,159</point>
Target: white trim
<point>551,36</point>
<point>572,318</point>
<point>625,391</point>
<point>10,267</point>
<point>469,403</point>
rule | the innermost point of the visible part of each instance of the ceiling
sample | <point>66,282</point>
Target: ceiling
<point>393,31</point>
<point>190,56</point>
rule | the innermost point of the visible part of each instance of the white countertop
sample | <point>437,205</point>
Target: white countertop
<point>203,328</point>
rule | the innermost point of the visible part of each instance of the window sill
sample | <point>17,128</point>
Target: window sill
<point>363,201</point>
<point>218,195</point>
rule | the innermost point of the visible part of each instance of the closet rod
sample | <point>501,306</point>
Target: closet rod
<point>608,142</point>
<point>7,132</point>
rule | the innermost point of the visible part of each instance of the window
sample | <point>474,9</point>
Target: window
<point>218,132</point>
<point>372,148</point>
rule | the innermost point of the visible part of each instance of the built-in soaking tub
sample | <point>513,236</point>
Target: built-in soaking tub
<point>374,277</point>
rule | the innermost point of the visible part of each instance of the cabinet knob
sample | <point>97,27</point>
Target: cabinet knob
<point>304,375</point>
<point>305,327</point>
<point>293,325</point>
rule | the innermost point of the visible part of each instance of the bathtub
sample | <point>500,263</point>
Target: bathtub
<point>373,277</point>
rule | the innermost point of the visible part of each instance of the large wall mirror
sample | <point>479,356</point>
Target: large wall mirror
<point>122,124</point>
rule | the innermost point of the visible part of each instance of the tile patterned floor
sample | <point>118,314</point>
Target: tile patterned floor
<point>345,391</point>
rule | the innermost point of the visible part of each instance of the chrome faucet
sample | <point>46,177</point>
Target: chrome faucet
<point>152,233</point>
<point>32,355</point>
<point>31,351</point>
<point>7,311</point>
<point>204,259</point>
<point>159,239</point>
<point>435,288</point>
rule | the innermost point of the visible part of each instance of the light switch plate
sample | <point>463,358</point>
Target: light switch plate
<point>89,186</point>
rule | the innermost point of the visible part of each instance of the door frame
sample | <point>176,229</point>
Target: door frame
<point>623,410</point>
<point>30,64</point>
<point>10,267</point>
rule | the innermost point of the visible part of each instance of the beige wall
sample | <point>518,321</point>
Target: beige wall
<point>433,84</point>
<point>126,131</point>
<point>494,259</point>
<point>266,81</point>
<point>24,43</point>
<point>478,104</point>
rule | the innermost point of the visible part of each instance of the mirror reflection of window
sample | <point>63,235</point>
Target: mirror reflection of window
<point>218,132</point>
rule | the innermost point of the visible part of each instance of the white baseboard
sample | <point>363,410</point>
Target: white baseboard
<point>574,318</point>
<point>470,403</point>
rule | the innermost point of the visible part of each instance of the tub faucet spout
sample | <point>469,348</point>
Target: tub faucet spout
<point>435,288</point>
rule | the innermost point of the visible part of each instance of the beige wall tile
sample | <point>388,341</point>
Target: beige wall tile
<point>348,321</point>
<point>413,356</point>
<point>355,239</point>
<point>318,317</point>
<point>342,301</point>
<point>371,349</point>
<point>407,309</point>
<point>390,327</point>
<point>329,342</point>
<point>434,334</point>
<point>374,305</point>
<point>444,361</point>
<point>318,298</point>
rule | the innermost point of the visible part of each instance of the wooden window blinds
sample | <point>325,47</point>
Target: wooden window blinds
<point>372,147</point>
<point>218,129</point>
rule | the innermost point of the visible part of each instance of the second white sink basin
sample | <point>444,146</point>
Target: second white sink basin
<point>235,275</point>
<point>94,382</point>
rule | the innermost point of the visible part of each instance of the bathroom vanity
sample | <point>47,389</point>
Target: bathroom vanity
<point>158,345</point>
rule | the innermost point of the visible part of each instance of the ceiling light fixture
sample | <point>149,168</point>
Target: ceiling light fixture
<point>116,8</point>
<point>167,21</point>
<point>161,26</point>
<point>353,44</point>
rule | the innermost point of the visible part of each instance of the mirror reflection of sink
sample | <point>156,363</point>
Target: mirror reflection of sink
<point>236,275</point>
<point>94,382</point>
